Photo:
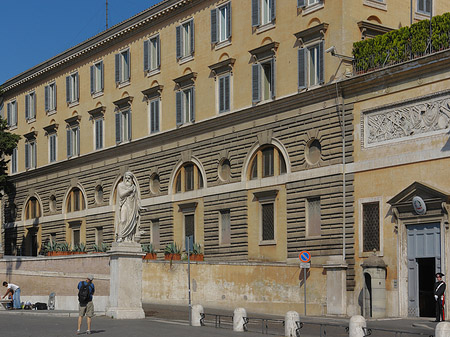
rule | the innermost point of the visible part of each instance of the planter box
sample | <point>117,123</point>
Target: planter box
<point>196,257</point>
<point>149,256</point>
<point>172,257</point>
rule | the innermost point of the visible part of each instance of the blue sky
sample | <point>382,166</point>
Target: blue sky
<point>33,31</point>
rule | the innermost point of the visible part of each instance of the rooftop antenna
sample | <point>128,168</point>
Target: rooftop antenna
<point>106,14</point>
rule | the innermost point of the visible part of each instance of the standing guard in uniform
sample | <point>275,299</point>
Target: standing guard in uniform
<point>439,289</point>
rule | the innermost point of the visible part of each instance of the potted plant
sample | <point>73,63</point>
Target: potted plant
<point>150,253</point>
<point>196,253</point>
<point>79,248</point>
<point>100,248</point>
<point>64,248</point>
<point>172,252</point>
<point>49,248</point>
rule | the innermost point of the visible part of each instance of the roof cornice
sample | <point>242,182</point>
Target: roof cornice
<point>126,27</point>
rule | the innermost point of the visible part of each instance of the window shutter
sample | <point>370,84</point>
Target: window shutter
<point>179,108</point>
<point>178,33</point>
<point>92,79</point>
<point>97,134</point>
<point>27,107</point>
<point>77,134</point>
<point>156,125</point>
<point>118,68</point>
<point>146,55</point>
<point>118,127</point>
<point>302,68</point>
<point>34,105</point>
<point>15,113</point>
<point>192,116</point>
<point>272,9</point>
<point>221,94</point>
<point>214,25</point>
<point>191,24</point>
<point>272,78</point>
<point>100,133</point>
<point>228,20</point>
<point>129,124</point>
<point>102,75</point>
<point>46,98</point>
<point>255,13</point>
<point>227,93</point>
<point>158,52</point>
<point>67,89</point>
<point>52,148</point>
<point>69,142</point>
<point>128,68</point>
<point>77,88</point>
<point>152,117</point>
<point>301,3</point>
<point>321,63</point>
<point>27,155</point>
<point>256,83</point>
<point>34,155</point>
<point>8,114</point>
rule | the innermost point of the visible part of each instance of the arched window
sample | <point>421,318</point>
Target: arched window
<point>32,209</point>
<point>267,161</point>
<point>188,178</point>
<point>75,201</point>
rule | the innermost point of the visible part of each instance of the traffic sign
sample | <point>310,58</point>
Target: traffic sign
<point>305,265</point>
<point>304,256</point>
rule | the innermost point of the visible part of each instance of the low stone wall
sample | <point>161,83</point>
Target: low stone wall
<point>267,288</point>
<point>40,276</point>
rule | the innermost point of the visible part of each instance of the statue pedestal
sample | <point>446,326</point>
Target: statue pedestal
<point>125,291</point>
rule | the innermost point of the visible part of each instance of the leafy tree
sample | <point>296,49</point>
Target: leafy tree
<point>8,142</point>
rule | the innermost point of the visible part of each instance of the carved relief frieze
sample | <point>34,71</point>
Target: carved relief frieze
<point>417,118</point>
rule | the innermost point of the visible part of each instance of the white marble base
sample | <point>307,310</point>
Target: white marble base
<point>121,313</point>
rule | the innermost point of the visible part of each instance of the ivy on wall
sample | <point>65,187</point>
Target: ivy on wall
<point>402,44</point>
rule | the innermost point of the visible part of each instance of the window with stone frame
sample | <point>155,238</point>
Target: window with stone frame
<point>32,209</point>
<point>267,161</point>
<point>371,226</point>
<point>313,217</point>
<point>188,178</point>
<point>75,200</point>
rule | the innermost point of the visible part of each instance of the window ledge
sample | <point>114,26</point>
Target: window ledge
<point>421,16</point>
<point>13,127</point>
<point>376,4</point>
<point>31,120</point>
<point>268,243</point>
<point>313,8</point>
<point>72,104</point>
<point>51,112</point>
<point>123,84</point>
<point>97,94</point>
<point>153,72</point>
<point>185,59</point>
<point>265,27</point>
<point>222,44</point>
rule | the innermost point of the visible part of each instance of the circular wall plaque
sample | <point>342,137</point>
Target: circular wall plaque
<point>419,205</point>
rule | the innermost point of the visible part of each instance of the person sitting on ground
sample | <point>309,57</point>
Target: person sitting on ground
<point>14,291</point>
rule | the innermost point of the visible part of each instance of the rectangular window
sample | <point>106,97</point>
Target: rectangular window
<point>72,88</point>
<point>155,234</point>
<point>75,236</point>
<point>123,126</point>
<point>424,6</point>
<point>185,39</point>
<point>30,106</point>
<point>313,217</point>
<point>225,227</point>
<point>152,54</point>
<point>122,66</point>
<point>221,23</point>
<point>263,81</point>
<point>263,12</point>
<point>224,93</point>
<point>154,115</point>
<point>52,147</point>
<point>311,66</point>
<point>11,110</point>
<point>371,226</point>
<point>96,72</point>
<point>98,133</point>
<point>73,141</point>
<point>30,154</point>
<point>189,225</point>
<point>185,108</point>
<point>50,97</point>
<point>268,222</point>
<point>14,161</point>
<point>98,236</point>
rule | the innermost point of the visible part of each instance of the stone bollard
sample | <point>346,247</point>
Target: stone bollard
<point>442,329</point>
<point>357,323</point>
<point>239,319</point>
<point>291,319</point>
<point>197,315</point>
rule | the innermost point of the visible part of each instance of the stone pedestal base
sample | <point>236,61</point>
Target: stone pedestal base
<point>336,286</point>
<point>125,297</point>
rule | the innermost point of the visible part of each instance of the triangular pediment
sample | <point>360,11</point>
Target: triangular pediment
<point>426,192</point>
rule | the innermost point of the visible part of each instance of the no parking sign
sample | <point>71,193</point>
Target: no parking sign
<point>305,258</point>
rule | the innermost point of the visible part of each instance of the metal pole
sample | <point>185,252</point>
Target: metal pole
<point>431,27</point>
<point>411,13</point>
<point>189,279</point>
<point>304,278</point>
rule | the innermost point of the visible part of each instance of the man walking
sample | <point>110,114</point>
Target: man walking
<point>14,290</point>
<point>86,290</point>
<point>439,289</point>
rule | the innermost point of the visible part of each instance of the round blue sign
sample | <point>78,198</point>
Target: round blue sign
<point>304,256</point>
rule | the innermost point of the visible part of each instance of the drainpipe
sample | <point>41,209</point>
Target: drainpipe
<point>411,13</point>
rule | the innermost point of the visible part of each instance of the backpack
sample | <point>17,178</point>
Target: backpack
<point>84,293</point>
<point>40,306</point>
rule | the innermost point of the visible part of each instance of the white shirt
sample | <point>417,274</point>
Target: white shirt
<point>12,286</point>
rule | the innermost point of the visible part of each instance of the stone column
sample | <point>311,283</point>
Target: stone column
<point>336,269</point>
<point>125,290</point>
